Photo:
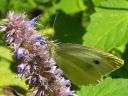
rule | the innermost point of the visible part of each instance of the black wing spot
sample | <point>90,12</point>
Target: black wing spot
<point>96,62</point>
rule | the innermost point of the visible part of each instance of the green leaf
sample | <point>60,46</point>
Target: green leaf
<point>97,2</point>
<point>7,66</point>
<point>72,6</point>
<point>21,5</point>
<point>3,6</point>
<point>67,29</point>
<point>107,29</point>
<point>108,87</point>
<point>121,4</point>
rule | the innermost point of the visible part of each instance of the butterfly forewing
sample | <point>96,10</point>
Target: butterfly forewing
<point>74,72</point>
<point>84,65</point>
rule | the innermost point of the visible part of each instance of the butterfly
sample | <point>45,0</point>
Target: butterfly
<point>84,65</point>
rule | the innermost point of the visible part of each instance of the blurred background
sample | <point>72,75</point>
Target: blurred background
<point>102,24</point>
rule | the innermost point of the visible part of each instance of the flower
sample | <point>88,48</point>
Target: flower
<point>36,64</point>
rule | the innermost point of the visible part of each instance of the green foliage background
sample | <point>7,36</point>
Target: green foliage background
<point>102,24</point>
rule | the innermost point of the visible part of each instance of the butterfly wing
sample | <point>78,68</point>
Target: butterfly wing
<point>85,65</point>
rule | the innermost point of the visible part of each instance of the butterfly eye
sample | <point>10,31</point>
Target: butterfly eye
<point>96,62</point>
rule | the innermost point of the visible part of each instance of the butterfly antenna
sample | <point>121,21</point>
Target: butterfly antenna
<point>55,20</point>
<point>54,23</point>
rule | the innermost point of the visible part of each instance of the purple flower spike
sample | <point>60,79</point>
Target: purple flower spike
<point>40,39</point>
<point>42,80</point>
<point>20,53</point>
<point>36,63</point>
<point>65,82</point>
<point>3,28</point>
<point>59,72</point>
<point>21,68</point>
<point>33,21</point>
<point>70,92</point>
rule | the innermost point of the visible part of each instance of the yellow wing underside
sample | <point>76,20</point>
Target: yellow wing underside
<point>85,65</point>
